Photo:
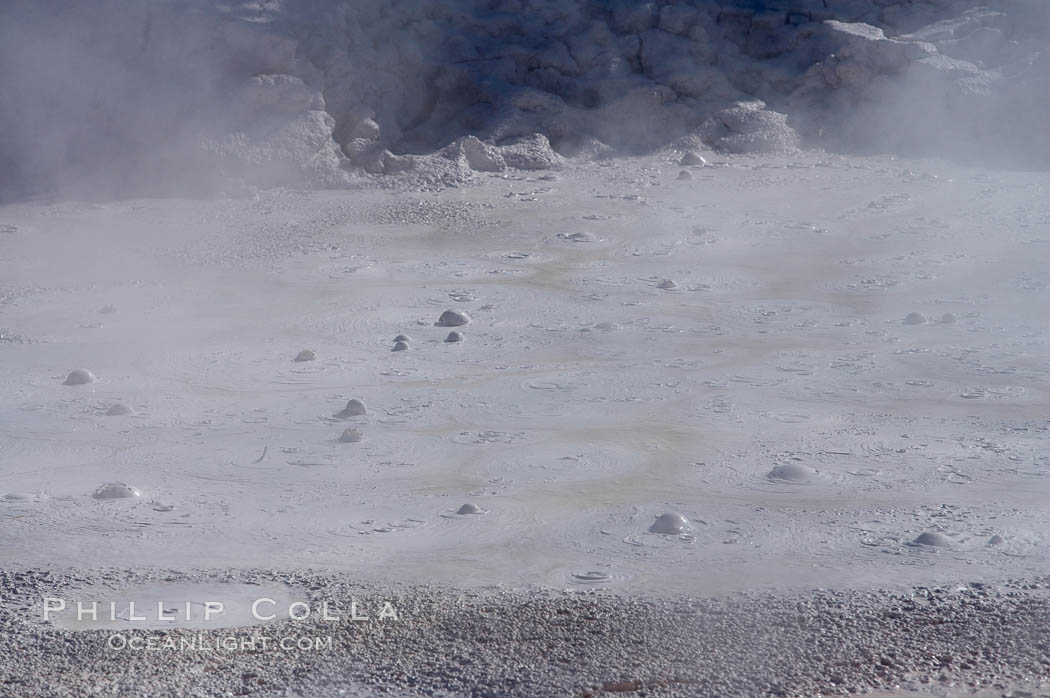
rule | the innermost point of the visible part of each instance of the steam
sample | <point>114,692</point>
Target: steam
<point>117,97</point>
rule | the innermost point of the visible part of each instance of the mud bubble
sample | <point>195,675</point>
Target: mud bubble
<point>79,376</point>
<point>354,408</point>
<point>670,523</point>
<point>115,490</point>
<point>453,318</point>
<point>915,319</point>
<point>933,538</point>
<point>692,160</point>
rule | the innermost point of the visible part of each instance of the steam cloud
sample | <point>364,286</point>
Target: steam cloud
<point>116,97</point>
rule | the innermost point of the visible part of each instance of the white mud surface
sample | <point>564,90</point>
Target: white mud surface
<point>834,370</point>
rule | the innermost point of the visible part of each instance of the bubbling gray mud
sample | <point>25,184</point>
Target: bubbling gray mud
<point>306,355</point>
<point>469,508</point>
<point>79,376</point>
<point>453,318</point>
<point>401,346</point>
<point>758,358</point>
<point>453,337</point>
<point>119,409</point>
<point>115,490</point>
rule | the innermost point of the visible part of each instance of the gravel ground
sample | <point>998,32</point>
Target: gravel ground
<point>944,640</point>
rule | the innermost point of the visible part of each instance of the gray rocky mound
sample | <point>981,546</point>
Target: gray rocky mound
<point>190,93</point>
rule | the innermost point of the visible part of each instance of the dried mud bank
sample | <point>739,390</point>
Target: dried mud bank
<point>958,640</point>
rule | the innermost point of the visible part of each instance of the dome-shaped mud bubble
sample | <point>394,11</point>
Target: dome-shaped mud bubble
<point>684,175</point>
<point>402,338</point>
<point>306,355</point>
<point>671,523</point>
<point>351,435</point>
<point>453,318</point>
<point>792,472</point>
<point>354,408</point>
<point>914,319</point>
<point>400,346</point>
<point>934,539</point>
<point>454,337</point>
<point>692,159</point>
<point>115,490</point>
<point>79,376</point>
<point>119,409</point>
<point>469,509</point>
